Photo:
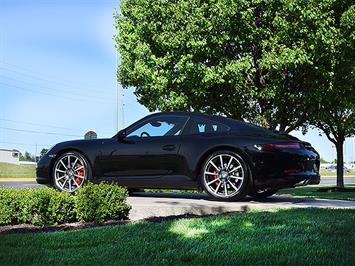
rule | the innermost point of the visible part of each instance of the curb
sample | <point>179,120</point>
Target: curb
<point>18,179</point>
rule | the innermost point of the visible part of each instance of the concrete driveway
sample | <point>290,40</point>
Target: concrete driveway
<point>147,205</point>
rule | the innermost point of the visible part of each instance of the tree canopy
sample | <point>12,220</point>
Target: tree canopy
<point>253,60</point>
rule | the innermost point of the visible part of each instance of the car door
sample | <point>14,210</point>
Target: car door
<point>149,149</point>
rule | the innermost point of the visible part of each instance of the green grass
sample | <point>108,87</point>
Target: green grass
<point>283,237</point>
<point>311,191</point>
<point>14,171</point>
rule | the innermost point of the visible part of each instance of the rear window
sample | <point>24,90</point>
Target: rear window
<point>201,126</point>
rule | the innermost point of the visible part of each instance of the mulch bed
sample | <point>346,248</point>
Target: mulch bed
<point>29,228</point>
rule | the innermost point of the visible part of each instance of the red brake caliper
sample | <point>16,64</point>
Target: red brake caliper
<point>215,176</point>
<point>79,172</point>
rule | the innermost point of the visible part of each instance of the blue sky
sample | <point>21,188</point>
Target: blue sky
<point>57,75</point>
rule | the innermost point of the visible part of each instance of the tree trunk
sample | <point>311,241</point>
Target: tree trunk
<point>340,163</point>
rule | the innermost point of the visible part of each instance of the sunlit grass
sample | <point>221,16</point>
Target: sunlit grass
<point>283,237</point>
<point>14,171</point>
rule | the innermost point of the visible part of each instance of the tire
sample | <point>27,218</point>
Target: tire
<point>131,191</point>
<point>70,171</point>
<point>262,194</point>
<point>229,182</point>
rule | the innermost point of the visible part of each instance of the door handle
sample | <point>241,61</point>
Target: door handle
<point>169,147</point>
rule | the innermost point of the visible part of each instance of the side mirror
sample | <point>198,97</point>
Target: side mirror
<point>121,135</point>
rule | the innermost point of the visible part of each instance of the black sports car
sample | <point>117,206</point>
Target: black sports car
<point>228,159</point>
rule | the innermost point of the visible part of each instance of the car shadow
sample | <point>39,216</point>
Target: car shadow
<point>203,196</point>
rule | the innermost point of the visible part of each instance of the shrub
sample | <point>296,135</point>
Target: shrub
<point>101,202</point>
<point>14,206</point>
<point>50,207</point>
<point>36,206</point>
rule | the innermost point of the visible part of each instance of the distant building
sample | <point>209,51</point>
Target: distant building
<point>9,156</point>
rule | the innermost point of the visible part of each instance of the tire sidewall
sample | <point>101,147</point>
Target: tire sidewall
<point>86,165</point>
<point>245,187</point>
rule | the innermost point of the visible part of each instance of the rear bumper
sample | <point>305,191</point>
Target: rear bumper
<point>280,169</point>
<point>301,179</point>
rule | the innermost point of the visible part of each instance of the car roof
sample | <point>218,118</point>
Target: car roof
<point>235,125</point>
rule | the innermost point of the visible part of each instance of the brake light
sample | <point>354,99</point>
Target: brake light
<point>276,146</point>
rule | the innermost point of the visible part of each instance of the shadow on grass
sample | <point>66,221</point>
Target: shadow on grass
<point>293,236</point>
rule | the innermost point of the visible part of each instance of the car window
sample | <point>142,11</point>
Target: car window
<point>200,126</point>
<point>159,126</point>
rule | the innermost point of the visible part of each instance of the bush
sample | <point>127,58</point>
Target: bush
<point>36,206</point>
<point>101,202</point>
<point>50,207</point>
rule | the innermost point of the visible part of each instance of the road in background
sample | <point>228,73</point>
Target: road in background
<point>32,184</point>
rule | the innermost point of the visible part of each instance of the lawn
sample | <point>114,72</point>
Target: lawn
<point>311,191</point>
<point>14,171</point>
<point>282,237</point>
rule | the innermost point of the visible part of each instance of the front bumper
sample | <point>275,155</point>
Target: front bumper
<point>43,170</point>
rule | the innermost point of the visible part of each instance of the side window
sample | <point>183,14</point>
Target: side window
<point>200,126</point>
<point>159,126</point>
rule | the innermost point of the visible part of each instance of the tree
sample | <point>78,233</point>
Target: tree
<point>323,161</point>
<point>272,62</point>
<point>243,59</point>
<point>43,152</point>
<point>335,115</point>
<point>29,157</point>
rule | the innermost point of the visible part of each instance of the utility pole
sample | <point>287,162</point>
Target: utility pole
<point>353,151</point>
<point>36,152</point>
<point>117,94</point>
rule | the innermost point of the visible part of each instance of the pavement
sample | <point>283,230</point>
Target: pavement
<point>31,183</point>
<point>148,205</point>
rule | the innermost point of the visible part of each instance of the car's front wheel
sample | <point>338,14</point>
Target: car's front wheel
<point>71,170</point>
<point>224,176</point>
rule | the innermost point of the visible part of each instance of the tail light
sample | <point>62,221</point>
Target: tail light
<point>279,146</point>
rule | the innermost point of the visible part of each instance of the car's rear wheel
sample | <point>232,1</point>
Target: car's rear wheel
<point>262,193</point>
<point>71,170</point>
<point>224,176</point>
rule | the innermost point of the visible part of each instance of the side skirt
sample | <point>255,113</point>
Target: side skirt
<point>168,182</point>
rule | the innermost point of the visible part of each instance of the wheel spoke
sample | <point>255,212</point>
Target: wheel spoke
<point>235,169</point>
<point>68,161</point>
<point>61,161</point>
<point>60,171</point>
<point>69,184</point>
<point>236,177</point>
<point>77,169</point>
<point>214,180</point>
<point>63,184</point>
<point>77,185</point>
<point>216,190</point>
<point>214,165</point>
<point>61,177</point>
<point>210,173</point>
<point>233,186</point>
<point>79,176</point>
<point>221,160</point>
<point>229,163</point>
<point>76,159</point>
<point>225,189</point>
